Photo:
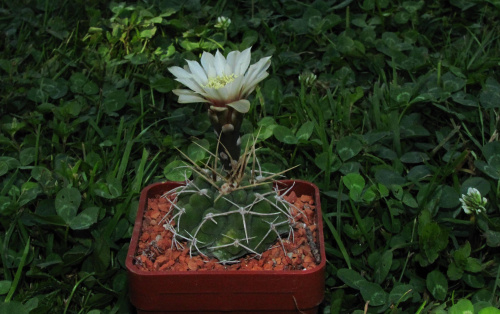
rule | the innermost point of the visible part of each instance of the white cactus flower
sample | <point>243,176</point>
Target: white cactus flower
<point>472,202</point>
<point>221,82</point>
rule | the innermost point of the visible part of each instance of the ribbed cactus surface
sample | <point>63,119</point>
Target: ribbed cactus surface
<point>226,220</point>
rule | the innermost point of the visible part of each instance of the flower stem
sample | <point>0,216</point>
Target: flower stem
<point>227,123</point>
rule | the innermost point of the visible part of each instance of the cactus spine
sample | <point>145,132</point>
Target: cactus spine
<point>229,217</point>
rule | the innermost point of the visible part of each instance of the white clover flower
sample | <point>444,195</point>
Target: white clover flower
<point>221,82</point>
<point>472,202</point>
<point>307,78</point>
<point>223,22</point>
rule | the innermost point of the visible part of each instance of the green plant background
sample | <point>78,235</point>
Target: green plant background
<point>402,119</point>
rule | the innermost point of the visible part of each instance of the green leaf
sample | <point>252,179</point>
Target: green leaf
<point>101,255</point>
<point>265,128</point>
<point>348,147</point>
<point>305,131</point>
<point>189,46</point>
<point>77,80</point>
<point>409,200</point>
<point>82,85</point>
<point>285,135</point>
<point>148,33</point>
<point>475,281</point>
<point>351,278</point>
<point>13,307</point>
<point>355,183</point>
<point>374,293</point>
<point>350,167</point>
<point>197,151</point>
<point>492,238</point>
<point>27,156</point>
<point>432,238</point>
<point>461,307</point>
<point>489,310</point>
<point>454,272</point>
<point>110,189</point>
<point>490,94</point>
<point>465,99</point>
<point>452,83</point>
<point>13,126</point>
<point>5,286</point>
<point>398,192</point>
<point>162,84</point>
<point>463,4</point>
<point>55,88</point>
<point>491,152</point>
<point>177,170</point>
<point>473,265</point>
<point>389,177</point>
<point>370,193</point>
<point>382,267</point>
<point>114,100</point>
<point>437,284</point>
<point>137,58</point>
<point>29,192</point>
<point>68,200</point>
<point>460,256</point>
<point>414,157</point>
<point>6,65</point>
<point>400,293</point>
<point>448,197</point>
<point>487,169</point>
<point>85,219</point>
<point>51,259</point>
<point>7,163</point>
<point>481,184</point>
<point>321,161</point>
<point>250,37</point>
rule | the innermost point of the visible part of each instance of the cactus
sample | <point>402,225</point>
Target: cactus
<point>229,217</point>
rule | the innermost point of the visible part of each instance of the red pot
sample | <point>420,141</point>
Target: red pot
<point>285,291</point>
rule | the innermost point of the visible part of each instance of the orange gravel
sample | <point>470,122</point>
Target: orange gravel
<point>155,251</point>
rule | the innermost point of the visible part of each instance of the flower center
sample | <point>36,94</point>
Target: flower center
<point>220,81</point>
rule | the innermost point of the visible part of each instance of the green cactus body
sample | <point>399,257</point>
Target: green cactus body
<point>226,225</point>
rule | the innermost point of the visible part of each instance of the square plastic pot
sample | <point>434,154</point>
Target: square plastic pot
<point>241,291</point>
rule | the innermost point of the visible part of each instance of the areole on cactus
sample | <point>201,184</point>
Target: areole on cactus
<point>224,85</point>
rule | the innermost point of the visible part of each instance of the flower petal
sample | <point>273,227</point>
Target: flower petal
<point>467,210</point>
<point>207,61</point>
<point>233,90</point>
<point>243,62</point>
<point>220,63</point>
<point>198,73</point>
<point>187,96</point>
<point>232,59</point>
<point>241,105</point>
<point>216,95</point>
<point>256,73</point>
<point>192,84</point>
<point>179,72</point>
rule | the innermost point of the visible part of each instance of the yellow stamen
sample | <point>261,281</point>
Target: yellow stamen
<point>220,81</point>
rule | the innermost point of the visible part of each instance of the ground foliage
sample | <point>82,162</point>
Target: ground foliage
<point>390,107</point>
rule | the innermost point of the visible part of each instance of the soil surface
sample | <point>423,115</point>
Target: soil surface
<point>298,252</point>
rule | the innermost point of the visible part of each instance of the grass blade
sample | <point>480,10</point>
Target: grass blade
<point>19,273</point>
